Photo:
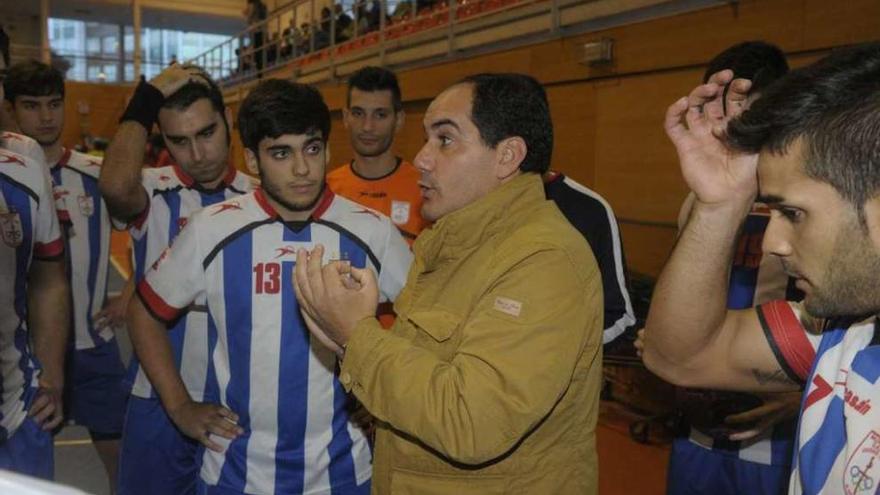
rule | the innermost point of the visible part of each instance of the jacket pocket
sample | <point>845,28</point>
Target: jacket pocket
<point>440,325</point>
<point>413,483</point>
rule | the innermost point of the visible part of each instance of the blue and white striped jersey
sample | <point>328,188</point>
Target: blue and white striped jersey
<point>173,197</point>
<point>88,243</point>
<point>29,230</point>
<point>238,256</point>
<point>838,439</point>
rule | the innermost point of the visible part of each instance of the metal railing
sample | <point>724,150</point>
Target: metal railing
<point>317,32</point>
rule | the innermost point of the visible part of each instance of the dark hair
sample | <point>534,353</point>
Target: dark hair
<point>277,107</point>
<point>191,92</point>
<point>32,78</point>
<point>375,79</point>
<point>757,61</point>
<point>4,46</point>
<point>834,107</point>
<point>507,105</point>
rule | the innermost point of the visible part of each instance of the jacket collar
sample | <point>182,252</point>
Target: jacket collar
<point>457,232</point>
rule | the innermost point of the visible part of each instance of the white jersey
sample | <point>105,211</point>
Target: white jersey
<point>838,439</point>
<point>29,229</point>
<point>88,241</point>
<point>238,256</point>
<point>173,198</point>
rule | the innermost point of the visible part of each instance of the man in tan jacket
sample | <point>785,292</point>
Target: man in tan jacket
<point>489,379</point>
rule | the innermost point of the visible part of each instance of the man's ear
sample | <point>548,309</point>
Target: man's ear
<point>399,120</point>
<point>510,153</point>
<point>345,114</point>
<point>253,164</point>
<point>872,219</point>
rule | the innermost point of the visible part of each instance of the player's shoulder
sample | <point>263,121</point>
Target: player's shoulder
<point>23,169</point>
<point>160,178</point>
<point>343,210</point>
<point>85,164</point>
<point>23,145</point>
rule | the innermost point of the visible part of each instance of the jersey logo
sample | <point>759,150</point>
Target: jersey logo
<point>161,258</point>
<point>369,212</point>
<point>233,205</point>
<point>10,226</point>
<point>58,193</point>
<point>284,251</point>
<point>400,212</point>
<point>863,467</point>
<point>181,223</point>
<point>4,158</point>
<point>86,204</point>
<point>370,194</point>
<point>822,390</point>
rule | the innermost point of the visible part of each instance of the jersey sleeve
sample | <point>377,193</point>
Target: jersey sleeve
<point>47,240</point>
<point>787,333</point>
<point>176,278</point>
<point>396,258</point>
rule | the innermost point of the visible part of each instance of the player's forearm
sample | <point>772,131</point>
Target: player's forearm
<point>120,180</point>
<point>689,302</point>
<point>49,318</point>
<point>153,349</point>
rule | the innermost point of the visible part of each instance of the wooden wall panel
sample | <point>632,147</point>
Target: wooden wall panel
<point>104,104</point>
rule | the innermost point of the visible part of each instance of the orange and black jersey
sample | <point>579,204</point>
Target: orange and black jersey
<point>396,194</point>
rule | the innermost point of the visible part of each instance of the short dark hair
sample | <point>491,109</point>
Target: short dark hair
<point>834,107</point>
<point>32,78</point>
<point>758,61</point>
<point>277,107</point>
<point>191,92</point>
<point>507,105</point>
<point>4,46</point>
<point>375,79</point>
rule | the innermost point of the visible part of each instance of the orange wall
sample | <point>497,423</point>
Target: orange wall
<point>608,120</point>
<point>92,109</point>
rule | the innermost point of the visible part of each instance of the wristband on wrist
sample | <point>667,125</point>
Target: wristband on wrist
<point>144,105</point>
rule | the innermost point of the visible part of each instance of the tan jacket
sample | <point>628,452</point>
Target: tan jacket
<point>488,383</point>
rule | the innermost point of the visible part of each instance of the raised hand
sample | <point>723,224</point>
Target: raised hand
<point>696,125</point>
<point>333,297</point>
<point>175,76</point>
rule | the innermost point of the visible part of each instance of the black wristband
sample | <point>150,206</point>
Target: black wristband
<point>144,105</point>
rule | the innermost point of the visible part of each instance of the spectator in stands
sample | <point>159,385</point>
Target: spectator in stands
<point>255,12</point>
<point>344,24</point>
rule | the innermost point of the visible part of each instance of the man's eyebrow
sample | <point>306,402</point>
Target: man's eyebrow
<point>278,147</point>
<point>442,122</point>
<point>209,127</point>
<point>770,199</point>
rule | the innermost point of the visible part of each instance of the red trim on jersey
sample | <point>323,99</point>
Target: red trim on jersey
<point>183,176</point>
<point>552,176</point>
<point>260,196</point>
<point>323,203</point>
<point>49,250</point>
<point>63,215</point>
<point>65,157</point>
<point>155,303</point>
<point>790,336</point>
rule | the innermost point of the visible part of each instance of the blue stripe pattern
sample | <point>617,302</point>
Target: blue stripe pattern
<point>90,186</point>
<point>820,452</point>
<point>237,284</point>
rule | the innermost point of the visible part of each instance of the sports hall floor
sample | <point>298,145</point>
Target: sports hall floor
<point>625,466</point>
